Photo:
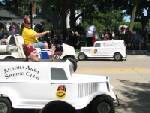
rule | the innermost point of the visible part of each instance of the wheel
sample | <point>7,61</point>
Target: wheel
<point>86,109</point>
<point>58,107</point>
<point>117,57</point>
<point>5,105</point>
<point>81,56</point>
<point>103,104</point>
<point>9,58</point>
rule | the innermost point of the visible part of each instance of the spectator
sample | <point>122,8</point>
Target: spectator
<point>76,40</point>
<point>137,40</point>
<point>90,34</point>
<point>14,28</point>
<point>107,36</point>
<point>1,33</point>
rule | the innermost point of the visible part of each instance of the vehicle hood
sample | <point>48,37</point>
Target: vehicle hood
<point>84,78</point>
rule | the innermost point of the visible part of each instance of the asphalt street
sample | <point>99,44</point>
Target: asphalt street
<point>130,78</point>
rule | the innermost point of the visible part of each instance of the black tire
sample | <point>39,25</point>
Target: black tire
<point>86,109</point>
<point>58,107</point>
<point>103,104</point>
<point>81,56</point>
<point>5,105</point>
<point>117,57</point>
<point>9,57</point>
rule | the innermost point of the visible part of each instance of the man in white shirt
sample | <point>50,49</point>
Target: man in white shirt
<point>90,34</point>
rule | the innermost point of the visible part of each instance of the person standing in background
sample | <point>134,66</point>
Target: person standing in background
<point>1,31</point>
<point>90,35</point>
<point>14,28</point>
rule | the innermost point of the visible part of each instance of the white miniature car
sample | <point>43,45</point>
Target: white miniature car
<point>115,49</point>
<point>14,49</point>
<point>31,85</point>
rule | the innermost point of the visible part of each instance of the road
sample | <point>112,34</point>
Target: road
<point>130,78</point>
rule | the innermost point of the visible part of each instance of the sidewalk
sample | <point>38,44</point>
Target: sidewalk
<point>138,52</point>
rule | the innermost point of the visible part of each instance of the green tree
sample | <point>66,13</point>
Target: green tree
<point>133,8</point>
<point>56,10</point>
<point>90,11</point>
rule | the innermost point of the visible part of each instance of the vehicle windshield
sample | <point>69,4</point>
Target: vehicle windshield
<point>97,45</point>
<point>58,74</point>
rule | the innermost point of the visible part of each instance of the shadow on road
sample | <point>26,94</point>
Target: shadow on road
<point>99,60</point>
<point>102,59</point>
<point>136,97</point>
<point>25,111</point>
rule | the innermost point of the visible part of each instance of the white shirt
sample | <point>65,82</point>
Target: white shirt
<point>90,31</point>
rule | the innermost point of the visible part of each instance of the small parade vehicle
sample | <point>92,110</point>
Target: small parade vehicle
<point>31,85</point>
<point>13,49</point>
<point>106,49</point>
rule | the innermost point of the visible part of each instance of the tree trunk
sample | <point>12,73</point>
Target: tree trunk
<point>63,17</point>
<point>72,18</point>
<point>16,6</point>
<point>72,14</point>
<point>133,15</point>
<point>133,18</point>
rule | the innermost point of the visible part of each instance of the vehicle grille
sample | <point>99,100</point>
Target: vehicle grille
<point>85,89</point>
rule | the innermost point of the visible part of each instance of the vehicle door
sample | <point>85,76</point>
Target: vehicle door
<point>108,48</point>
<point>60,84</point>
<point>52,85</point>
<point>97,50</point>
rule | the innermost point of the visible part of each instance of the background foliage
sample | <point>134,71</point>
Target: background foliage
<point>105,14</point>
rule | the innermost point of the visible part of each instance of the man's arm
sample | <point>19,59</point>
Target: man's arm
<point>42,34</point>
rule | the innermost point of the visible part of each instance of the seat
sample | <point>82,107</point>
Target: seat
<point>19,43</point>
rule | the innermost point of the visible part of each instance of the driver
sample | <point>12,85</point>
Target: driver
<point>31,39</point>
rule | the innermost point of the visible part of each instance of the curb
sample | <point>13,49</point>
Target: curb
<point>138,52</point>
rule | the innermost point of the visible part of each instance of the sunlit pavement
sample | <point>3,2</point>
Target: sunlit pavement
<point>115,70</point>
<point>131,80</point>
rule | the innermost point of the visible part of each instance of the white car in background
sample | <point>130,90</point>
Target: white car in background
<point>115,49</point>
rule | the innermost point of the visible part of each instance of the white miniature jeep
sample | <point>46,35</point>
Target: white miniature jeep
<point>107,49</point>
<point>31,85</point>
<point>13,49</point>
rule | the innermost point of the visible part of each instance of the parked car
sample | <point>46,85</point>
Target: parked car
<point>115,49</point>
<point>31,85</point>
